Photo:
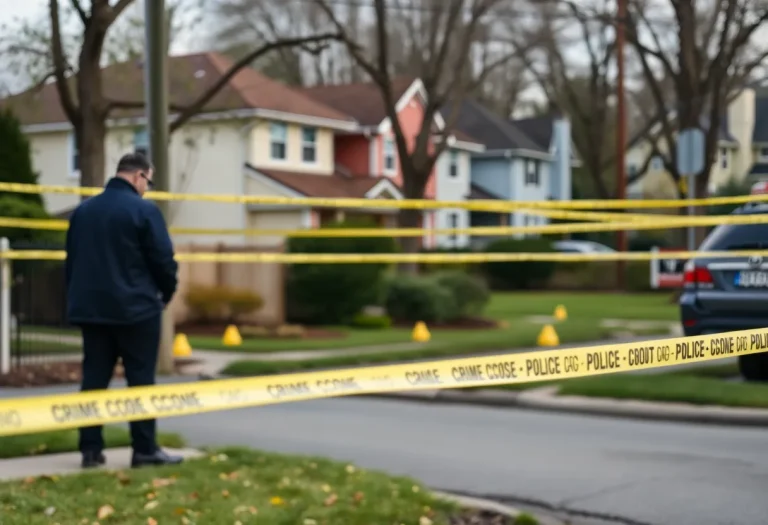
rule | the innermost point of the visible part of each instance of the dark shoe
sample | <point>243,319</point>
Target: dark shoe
<point>158,458</point>
<point>93,459</point>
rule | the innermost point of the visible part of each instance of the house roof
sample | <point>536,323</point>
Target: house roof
<point>494,132</point>
<point>189,76</point>
<point>478,193</point>
<point>362,100</point>
<point>324,186</point>
<point>538,129</point>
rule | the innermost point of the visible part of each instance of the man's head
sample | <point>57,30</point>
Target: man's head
<point>137,170</point>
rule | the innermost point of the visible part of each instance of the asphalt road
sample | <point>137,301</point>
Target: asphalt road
<point>644,472</point>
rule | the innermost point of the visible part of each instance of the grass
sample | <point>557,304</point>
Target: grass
<point>585,305</point>
<point>227,486</point>
<point>31,347</point>
<point>66,441</point>
<point>443,344</point>
<point>585,310</point>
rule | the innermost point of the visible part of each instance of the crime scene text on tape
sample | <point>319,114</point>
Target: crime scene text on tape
<point>57,412</point>
<point>420,204</point>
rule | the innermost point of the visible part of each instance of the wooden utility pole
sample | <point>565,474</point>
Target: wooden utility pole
<point>156,89</point>
<point>621,134</point>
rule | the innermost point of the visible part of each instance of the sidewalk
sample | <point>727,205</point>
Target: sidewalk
<point>69,463</point>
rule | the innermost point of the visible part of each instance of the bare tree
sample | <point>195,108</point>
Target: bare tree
<point>79,82</point>
<point>582,89</point>
<point>705,51</point>
<point>451,48</point>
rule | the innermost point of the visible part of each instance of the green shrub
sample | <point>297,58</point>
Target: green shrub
<point>439,267</point>
<point>372,321</point>
<point>470,292</point>
<point>519,275</point>
<point>335,293</point>
<point>420,298</point>
<point>220,303</point>
<point>638,276</point>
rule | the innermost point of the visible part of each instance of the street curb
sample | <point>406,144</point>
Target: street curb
<point>489,505</point>
<point>546,400</point>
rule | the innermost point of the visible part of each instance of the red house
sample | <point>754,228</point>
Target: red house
<point>371,151</point>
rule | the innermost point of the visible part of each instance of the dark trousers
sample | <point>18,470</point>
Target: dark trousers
<point>137,345</point>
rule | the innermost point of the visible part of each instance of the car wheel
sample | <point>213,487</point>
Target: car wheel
<point>754,367</point>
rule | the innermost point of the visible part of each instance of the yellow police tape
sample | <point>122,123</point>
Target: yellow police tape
<point>400,258</point>
<point>420,204</point>
<point>57,412</point>
<point>661,223</point>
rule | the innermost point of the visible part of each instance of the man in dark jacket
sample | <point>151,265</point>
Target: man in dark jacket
<point>121,274</point>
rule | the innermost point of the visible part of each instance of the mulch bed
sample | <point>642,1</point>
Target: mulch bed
<point>64,373</point>
<point>469,323</point>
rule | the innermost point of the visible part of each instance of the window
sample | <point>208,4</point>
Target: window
<point>389,155</point>
<point>532,172</point>
<point>657,163</point>
<point>141,142</point>
<point>453,166</point>
<point>724,158</point>
<point>764,153</point>
<point>74,157</point>
<point>278,135</point>
<point>454,223</point>
<point>308,144</point>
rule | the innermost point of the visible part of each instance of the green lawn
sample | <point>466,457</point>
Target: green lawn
<point>585,310</point>
<point>31,347</point>
<point>226,487</point>
<point>66,441</point>
<point>587,305</point>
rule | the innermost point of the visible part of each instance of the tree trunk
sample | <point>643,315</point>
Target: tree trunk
<point>410,219</point>
<point>91,137</point>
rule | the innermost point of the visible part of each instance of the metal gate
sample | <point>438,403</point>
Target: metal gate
<point>39,329</point>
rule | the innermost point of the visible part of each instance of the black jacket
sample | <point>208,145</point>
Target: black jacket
<point>120,263</point>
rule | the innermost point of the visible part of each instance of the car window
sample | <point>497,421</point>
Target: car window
<point>737,237</point>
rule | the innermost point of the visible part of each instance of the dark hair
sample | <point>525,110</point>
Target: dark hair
<point>132,162</point>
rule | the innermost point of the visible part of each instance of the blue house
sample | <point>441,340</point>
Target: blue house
<point>524,160</point>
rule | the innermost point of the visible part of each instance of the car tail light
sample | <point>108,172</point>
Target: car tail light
<point>697,276</point>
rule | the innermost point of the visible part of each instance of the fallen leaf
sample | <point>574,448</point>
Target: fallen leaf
<point>162,482</point>
<point>309,521</point>
<point>179,511</point>
<point>151,495</point>
<point>350,469</point>
<point>276,500</point>
<point>29,480</point>
<point>185,520</point>
<point>231,475</point>
<point>326,487</point>
<point>123,478</point>
<point>225,493</point>
<point>358,496</point>
<point>425,521</point>
<point>238,522</point>
<point>330,500</point>
<point>415,488</point>
<point>247,483</point>
<point>50,511</point>
<point>151,505</point>
<point>253,510</point>
<point>151,521</point>
<point>52,479</point>
<point>105,511</point>
<point>194,495</point>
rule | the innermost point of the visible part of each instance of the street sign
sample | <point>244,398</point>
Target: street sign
<point>666,273</point>
<point>690,151</point>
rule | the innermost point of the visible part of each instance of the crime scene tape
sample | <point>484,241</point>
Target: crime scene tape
<point>421,204</point>
<point>63,411</point>
<point>399,258</point>
<point>637,225</point>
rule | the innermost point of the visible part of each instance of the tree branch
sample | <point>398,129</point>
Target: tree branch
<point>193,109</point>
<point>115,11</point>
<point>71,109</point>
<point>80,11</point>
